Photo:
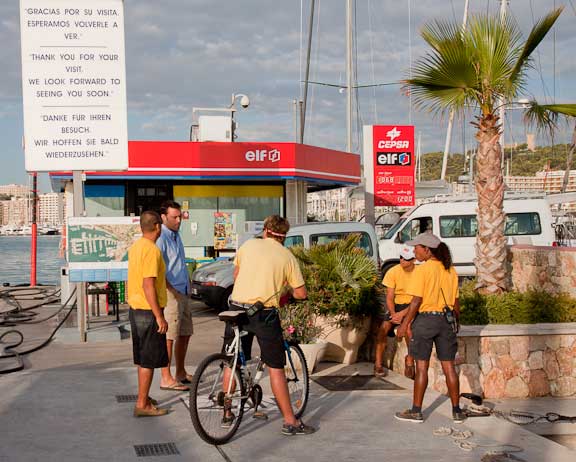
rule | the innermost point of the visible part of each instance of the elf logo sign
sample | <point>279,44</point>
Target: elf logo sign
<point>261,155</point>
<point>393,158</point>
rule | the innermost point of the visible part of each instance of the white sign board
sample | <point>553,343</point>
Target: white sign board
<point>74,85</point>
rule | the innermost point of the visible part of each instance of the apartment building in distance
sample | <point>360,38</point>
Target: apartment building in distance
<point>17,209</point>
<point>14,190</point>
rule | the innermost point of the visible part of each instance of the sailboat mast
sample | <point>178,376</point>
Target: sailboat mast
<point>451,117</point>
<point>501,101</point>
<point>349,75</point>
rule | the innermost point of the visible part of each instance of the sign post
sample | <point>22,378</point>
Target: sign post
<point>74,93</point>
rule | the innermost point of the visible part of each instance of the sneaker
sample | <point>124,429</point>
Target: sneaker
<point>227,421</point>
<point>300,429</point>
<point>410,416</point>
<point>380,371</point>
<point>458,417</point>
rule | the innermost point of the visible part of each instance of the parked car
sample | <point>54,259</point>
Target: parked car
<point>453,219</point>
<point>213,283</point>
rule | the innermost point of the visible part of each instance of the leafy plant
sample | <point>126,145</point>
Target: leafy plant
<point>299,322</point>
<point>341,281</point>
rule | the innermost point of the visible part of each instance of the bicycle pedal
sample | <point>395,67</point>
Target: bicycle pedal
<point>260,415</point>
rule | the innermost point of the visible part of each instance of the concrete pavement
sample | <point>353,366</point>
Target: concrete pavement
<point>63,407</point>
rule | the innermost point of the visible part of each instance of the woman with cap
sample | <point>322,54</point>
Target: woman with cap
<point>432,319</point>
<point>396,280</point>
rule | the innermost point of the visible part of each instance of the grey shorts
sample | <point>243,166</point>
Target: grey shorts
<point>178,314</point>
<point>432,329</point>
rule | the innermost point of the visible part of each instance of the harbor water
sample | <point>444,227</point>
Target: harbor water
<point>15,256</point>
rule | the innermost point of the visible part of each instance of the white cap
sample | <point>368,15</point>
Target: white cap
<point>407,253</point>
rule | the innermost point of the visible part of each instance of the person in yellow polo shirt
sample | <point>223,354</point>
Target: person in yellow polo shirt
<point>264,270</point>
<point>396,280</point>
<point>147,298</point>
<point>432,319</point>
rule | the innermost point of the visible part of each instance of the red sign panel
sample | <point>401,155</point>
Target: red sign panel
<point>393,147</point>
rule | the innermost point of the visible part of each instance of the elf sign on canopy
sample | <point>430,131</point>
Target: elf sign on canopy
<point>74,85</point>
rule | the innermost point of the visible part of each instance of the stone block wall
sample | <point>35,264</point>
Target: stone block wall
<point>552,269</point>
<point>517,361</point>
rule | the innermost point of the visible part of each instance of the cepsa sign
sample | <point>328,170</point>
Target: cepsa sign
<point>393,165</point>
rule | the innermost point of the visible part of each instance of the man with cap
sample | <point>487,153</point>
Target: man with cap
<point>432,320</point>
<point>396,281</point>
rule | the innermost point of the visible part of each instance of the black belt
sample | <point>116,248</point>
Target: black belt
<point>432,313</point>
<point>247,306</point>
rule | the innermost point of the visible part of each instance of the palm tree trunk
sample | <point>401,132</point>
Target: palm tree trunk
<point>569,161</point>
<point>490,258</point>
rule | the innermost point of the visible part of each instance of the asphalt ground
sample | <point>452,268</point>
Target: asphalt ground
<point>63,407</point>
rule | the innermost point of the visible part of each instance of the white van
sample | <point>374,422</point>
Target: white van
<point>453,219</point>
<point>212,283</point>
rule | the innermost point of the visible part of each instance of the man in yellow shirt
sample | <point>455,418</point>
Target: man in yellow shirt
<point>263,270</point>
<point>397,279</point>
<point>432,320</point>
<point>147,299</point>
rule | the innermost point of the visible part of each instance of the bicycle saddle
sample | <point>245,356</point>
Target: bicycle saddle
<point>236,317</point>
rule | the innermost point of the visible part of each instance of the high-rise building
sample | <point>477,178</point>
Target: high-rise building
<point>15,190</point>
<point>51,209</point>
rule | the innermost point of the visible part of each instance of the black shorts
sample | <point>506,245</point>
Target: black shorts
<point>428,329</point>
<point>386,316</point>
<point>265,325</point>
<point>148,346</point>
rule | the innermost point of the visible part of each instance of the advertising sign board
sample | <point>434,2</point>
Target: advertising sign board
<point>74,85</point>
<point>97,247</point>
<point>393,163</point>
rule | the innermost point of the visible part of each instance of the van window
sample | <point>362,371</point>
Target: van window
<point>458,226</point>
<point>518,224</point>
<point>364,243</point>
<point>414,227</point>
<point>392,231</point>
<point>291,241</point>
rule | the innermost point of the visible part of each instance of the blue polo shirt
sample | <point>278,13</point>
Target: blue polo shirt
<point>172,248</point>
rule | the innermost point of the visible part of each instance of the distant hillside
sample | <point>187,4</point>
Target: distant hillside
<point>523,163</point>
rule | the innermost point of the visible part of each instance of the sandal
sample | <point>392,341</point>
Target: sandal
<point>380,371</point>
<point>409,369</point>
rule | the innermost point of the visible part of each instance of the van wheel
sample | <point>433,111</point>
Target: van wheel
<point>224,302</point>
<point>387,266</point>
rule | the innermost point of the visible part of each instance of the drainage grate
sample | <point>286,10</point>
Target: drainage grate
<point>354,382</point>
<point>156,449</point>
<point>126,398</point>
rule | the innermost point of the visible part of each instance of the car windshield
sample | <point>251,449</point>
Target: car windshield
<point>390,233</point>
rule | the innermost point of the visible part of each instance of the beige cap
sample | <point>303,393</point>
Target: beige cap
<point>425,239</point>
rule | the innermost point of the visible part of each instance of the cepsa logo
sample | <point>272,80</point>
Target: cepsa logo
<point>392,143</point>
<point>393,158</point>
<point>261,155</point>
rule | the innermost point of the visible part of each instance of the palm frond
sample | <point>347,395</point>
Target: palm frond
<point>545,116</point>
<point>537,34</point>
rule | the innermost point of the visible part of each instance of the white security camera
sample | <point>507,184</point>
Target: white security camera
<point>244,101</point>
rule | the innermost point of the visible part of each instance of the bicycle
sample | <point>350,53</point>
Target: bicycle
<point>211,398</point>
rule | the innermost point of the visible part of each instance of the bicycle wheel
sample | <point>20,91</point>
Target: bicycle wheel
<point>297,377</point>
<point>208,398</point>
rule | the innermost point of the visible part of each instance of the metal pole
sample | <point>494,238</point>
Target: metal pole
<point>349,75</point>
<point>501,101</point>
<point>307,73</point>
<point>34,240</point>
<point>78,205</point>
<point>451,117</point>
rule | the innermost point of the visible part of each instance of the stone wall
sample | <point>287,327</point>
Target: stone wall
<point>552,269</point>
<point>519,361</point>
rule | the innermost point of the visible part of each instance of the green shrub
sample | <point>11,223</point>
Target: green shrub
<point>531,307</point>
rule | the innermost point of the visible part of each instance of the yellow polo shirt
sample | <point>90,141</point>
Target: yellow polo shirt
<point>398,279</point>
<point>426,282</point>
<point>266,266</point>
<point>145,261</point>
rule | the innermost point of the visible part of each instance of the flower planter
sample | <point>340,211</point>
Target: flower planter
<point>343,343</point>
<point>313,352</point>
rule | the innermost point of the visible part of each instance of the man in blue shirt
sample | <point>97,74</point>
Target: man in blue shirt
<point>178,312</point>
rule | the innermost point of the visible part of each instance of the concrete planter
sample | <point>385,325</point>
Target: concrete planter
<point>313,352</point>
<point>510,361</point>
<point>343,342</point>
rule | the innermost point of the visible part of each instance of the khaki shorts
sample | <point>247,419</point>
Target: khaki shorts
<point>178,314</point>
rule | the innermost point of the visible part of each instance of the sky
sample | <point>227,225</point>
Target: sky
<point>182,54</point>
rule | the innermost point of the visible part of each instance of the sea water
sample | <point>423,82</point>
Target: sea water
<point>15,260</point>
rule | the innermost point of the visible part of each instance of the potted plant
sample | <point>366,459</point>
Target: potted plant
<point>342,294</point>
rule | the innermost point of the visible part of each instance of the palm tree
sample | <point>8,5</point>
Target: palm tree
<point>546,115</point>
<point>481,67</point>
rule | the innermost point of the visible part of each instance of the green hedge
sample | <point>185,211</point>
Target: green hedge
<point>531,307</point>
